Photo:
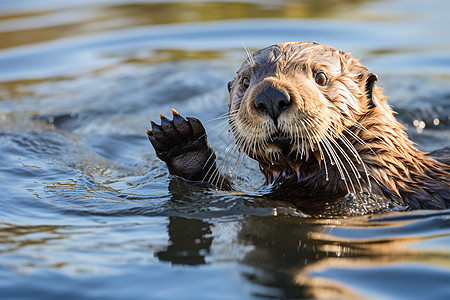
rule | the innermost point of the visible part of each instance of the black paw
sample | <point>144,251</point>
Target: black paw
<point>182,145</point>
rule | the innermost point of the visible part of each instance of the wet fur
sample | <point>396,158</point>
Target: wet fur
<point>392,167</point>
<point>343,136</point>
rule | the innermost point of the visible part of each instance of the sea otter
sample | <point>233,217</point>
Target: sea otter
<point>322,132</point>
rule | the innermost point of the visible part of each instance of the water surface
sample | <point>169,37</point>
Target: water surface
<point>88,211</point>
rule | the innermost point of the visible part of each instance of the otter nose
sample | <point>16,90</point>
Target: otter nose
<point>272,102</point>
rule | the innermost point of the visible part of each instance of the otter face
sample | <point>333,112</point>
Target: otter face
<point>291,100</point>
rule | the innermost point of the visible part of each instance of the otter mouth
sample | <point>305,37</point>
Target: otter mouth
<point>281,141</point>
<point>284,144</point>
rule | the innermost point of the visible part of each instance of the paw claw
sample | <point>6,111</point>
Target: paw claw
<point>175,113</point>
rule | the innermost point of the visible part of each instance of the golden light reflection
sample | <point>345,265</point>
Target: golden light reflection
<point>303,250</point>
<point>80,20</point>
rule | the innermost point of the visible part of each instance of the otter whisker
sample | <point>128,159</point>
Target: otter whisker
<point>355,136</point>
<point>228,162</point>
<point>311,141</point>
<point>350,163</point>
<point>225,116</point>
<point>240,163</point>
<point>226,129</point>
<point>356,123</point>
<point>298,140</point>
<point>338,163</point>
<point>322,156</point>
<point>220,124</point>
<point>223,131</point>
<point>223,140</point>
<point>216,171</point>
<point>353,150</point>
<point>327,178</point>
<point>358,139</point>
<point>239,155</point>
<point>225,162</point>
<point>327,149</point>
<point>331,135</point>
<point>250,58</point>
<point>236,165</point>
<point>303,144</point>
<point>224,146</point>
<point>359,159</point>
<point>349,146</point>
<point>238,140</point>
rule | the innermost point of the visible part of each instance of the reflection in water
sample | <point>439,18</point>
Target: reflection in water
<point>26,235</point>
<point>297,257</point>
<point>190,242</point>
<point>300,256</point>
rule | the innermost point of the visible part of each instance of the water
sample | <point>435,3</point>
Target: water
<point>87,211</point>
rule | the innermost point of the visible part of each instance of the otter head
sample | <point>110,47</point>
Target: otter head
<point>291,103</point>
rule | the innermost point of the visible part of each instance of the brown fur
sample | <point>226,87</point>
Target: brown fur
<point>330,123</point>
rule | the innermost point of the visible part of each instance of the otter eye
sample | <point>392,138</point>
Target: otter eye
<point>245,83</point>
<point>321,79</point>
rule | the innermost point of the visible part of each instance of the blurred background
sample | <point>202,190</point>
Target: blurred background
<point>88,211</point>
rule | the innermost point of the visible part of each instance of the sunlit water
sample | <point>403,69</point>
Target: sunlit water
<point>88,212</point>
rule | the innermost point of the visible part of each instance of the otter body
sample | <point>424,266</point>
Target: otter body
<point>322,132</point>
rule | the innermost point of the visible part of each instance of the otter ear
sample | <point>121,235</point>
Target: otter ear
<point>230,83</point>
<point>370,85</point>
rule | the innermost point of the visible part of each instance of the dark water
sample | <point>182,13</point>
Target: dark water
<point>88,212</point>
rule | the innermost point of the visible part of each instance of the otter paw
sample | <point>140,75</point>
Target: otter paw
<point>182,145</point>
